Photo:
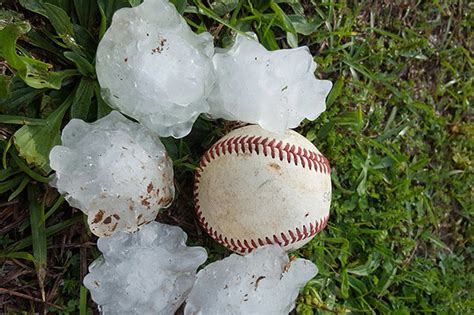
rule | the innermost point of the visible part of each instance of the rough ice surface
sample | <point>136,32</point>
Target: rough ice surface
<point>152,67</point>
<point>147,272</point>
<point>114,170</point>
<point>275,89</point>
<point>262,282</point>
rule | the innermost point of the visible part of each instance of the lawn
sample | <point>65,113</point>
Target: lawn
<point>397,132</point>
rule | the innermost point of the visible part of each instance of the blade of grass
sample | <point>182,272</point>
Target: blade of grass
<point>210,14</point>
<point>10,184</point>
<point>19,255</point>
<point>49,213</point>
<point>55,207</point>
<point>19,120</point>
<point>38,235</point>
<point>50,231</point>
<point>20,188</point>
<point>83,301</point>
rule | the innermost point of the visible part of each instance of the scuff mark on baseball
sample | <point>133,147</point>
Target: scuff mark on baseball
<point>254,187</point>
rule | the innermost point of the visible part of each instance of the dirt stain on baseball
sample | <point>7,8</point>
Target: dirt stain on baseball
<point>274,166</point>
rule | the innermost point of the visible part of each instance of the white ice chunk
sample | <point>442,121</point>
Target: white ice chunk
<point>275,89</point>
<point>147,272</point>
<point>153,68</point>
<point>114,170</point>
<point>263,282</point>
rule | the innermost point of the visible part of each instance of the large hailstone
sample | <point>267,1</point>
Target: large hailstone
<point>153,68</point>
<point>275,89</point>
<point>263,282</point>
<point>147,272</point>
<point>114,170</point>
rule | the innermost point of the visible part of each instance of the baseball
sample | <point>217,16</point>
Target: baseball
<point>254,187</point>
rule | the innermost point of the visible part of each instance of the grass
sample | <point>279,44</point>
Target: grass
<point>397,132</point>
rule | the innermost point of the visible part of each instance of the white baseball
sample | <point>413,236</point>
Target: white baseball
<point>254,187</point>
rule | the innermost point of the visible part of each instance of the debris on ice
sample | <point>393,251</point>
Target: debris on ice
<point>154,68</point>
<point>147,272</point>
<point>262,282</point>
<point>114,170</point>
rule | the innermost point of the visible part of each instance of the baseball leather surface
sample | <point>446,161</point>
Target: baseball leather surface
<point>254,187</point>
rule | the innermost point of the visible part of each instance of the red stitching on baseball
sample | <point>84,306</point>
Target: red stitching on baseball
<point>239,145</point>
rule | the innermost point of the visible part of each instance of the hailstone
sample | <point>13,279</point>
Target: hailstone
<point>262,282</point>
<point>147,272</point>
<point>152,67</point>
<point>114,170</point>
<point>275,89</point>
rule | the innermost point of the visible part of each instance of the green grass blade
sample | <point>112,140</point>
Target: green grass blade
<point>19,120</point>
<point>20,188</point>
<point>19,255</point>
<point>38,234</point>
<point>50,231</point>
<point>83,301</point>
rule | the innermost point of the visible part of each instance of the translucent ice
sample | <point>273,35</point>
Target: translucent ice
<point>275,89</point>
<point>153,68</point>
<point>263,282</point>
<point>114,170</point>
<point>147,272</point>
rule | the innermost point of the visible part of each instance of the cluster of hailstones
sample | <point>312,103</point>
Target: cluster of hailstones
<point>154,68</point>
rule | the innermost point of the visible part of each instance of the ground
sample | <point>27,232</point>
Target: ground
<point>397,132</point>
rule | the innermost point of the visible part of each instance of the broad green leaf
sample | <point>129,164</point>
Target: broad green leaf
<point>268,40</point>
<point>86,41</point>
<point>34,142</point>
<point>202,9</point>
<point>108,8</point>
<point>5,83</point>
<point>387,278</point>
<point>83,66</point>
<point>134,3</point>
<point>222,7</point>
<point>82,99</point>
<point>102,108</point>
<point>86,11</point>
<point>59,19</point>
<point>35,73</point>
<point>357,285</point>
<point>22,165</point>
<point>63,25</point>
<point>34,6</point>
<point>367,268</point>
<point>325,129</point>
<point>66,5</point>
<point>292,39</point>
<point>180,5</point>
<point>303,26</point>
<point>39,39</point>
<point>291,35</point>
<point>294,4</point>
<point>335,92</point>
